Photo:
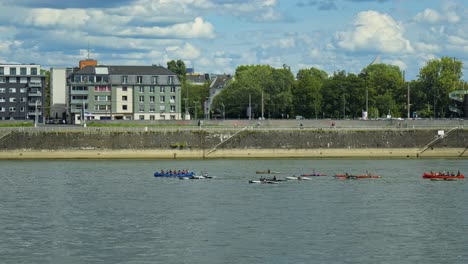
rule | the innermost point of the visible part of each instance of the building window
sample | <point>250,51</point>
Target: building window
<point>23,80</point>
<point>2,109</point>
<point>152,88</point>
<point>2,79</point>
<point>141,99</point>
<point>12,90</point>
<point>141,117</point>
<point>2,99</point>
<point>23,99</point>
<point>170,80</point>
<point>151,99</point>
<point>152,108</point>
<point>172,89</point>
<point>142,89</point>
<point>172,99</point>
<point>163,117</point>
<point>152,117</point>
<point>172,108</point>
<point>12,100</point>
<point>23,71</point>
<point>162,89</point>
<point>162,99</point>
<point>102,89</point>
<point>102,107</point>
<point>2,70</point>
<point>12,80</point>
<point>139,79</point>
<point>124,88</point>
<point>12,109</point>
<point>22,109</point>
<point>172,117</point>
<point>154,79</point>
<point>12,71</point>
<point>124,79</point>
<point>101,98</point>
<point>2,90</point>
<point>162,108</point>
<point>23,90</point>
<point>124,98</point>
<point>124,107</point>
<point>141,108</point>
<point>33,71</point>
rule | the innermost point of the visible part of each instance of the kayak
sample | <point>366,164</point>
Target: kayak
<point>257,181</point>
<point>359,176</point>
<point>267,172</point>
<point>428,175</point>
<point>300,178</point>
<point>313,174</point>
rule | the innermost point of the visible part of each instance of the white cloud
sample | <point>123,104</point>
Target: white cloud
<point>187,52</point>
<point>374,31</point>
<point>426,47</point>
<point>401,64</point>
<point>196,29</point>
<point>449,14</point>
<point>428,16</point>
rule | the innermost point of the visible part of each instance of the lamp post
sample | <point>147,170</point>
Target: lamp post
<point>195,108</point>
<point>224,111</point>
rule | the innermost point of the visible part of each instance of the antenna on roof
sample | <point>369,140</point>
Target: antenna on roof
<point>88,49</point>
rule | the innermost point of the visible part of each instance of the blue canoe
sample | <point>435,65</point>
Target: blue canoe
<point>159,174</point>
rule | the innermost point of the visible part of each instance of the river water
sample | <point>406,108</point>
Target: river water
<point>115,211</point>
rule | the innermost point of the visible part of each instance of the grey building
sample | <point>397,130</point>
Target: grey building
<point>125,93</point>
<point>22,88</point>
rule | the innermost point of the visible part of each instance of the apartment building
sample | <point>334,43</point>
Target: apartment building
<point>22,89</point>
<point>124,93</point>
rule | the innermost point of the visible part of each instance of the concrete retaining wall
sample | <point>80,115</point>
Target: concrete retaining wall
<point>247,139</point>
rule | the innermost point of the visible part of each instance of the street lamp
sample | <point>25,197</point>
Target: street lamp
<point>195,108</point>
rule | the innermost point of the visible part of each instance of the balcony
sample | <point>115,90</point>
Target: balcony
<point>80,83</point>
<point>79,92</point>
<point>32,94</point>
<point>33,103</point>
<point>35,84</point>
<point>78,101</point>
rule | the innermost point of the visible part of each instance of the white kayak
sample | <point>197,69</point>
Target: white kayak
<point>271,182</point>
<point>297,178</point>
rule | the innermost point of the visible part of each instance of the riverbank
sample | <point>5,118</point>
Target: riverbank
<point>371,153</point>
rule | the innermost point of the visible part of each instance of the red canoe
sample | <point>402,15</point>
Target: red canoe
<point>428,175</point>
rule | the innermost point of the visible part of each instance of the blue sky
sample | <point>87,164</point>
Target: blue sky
<point>216,36</point>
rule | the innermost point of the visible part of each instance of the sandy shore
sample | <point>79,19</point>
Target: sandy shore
<point>237,153</point>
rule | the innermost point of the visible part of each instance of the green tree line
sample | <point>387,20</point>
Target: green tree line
<point>379,90</point>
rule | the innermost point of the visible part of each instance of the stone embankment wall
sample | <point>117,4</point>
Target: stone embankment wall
<point>247,139</point>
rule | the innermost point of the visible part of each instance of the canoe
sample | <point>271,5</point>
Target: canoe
<point>189,174</point>
<point>428,175</point>
<point>358,176</point>
<point>313,174</point>
<point>267,172</point>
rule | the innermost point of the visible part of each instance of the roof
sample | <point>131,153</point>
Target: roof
<point>220,81</point>
<point>196,78</point>
<point>123,69</point>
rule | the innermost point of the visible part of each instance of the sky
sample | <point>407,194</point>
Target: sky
<point>217,36</point>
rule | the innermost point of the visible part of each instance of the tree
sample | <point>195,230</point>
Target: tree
<point>178,67</point>
<point>385,84</point>
<point>439,77</point>
<point>307,95</point>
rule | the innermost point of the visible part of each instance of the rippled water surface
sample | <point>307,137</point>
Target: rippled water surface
<point>117,212</point>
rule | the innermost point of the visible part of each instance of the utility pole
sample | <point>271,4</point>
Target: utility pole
<point>409,112</point>
<point>250,107</point>
<point>35,116</point>
<point>344,107</point>
<point>262,107</point>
